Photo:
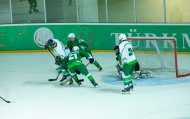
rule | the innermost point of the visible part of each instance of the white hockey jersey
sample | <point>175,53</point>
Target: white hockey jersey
<point>126,53</point>
<point>60,49</point>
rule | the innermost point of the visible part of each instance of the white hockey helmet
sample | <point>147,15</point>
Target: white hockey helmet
<point>71,36</point>
<point>122,37</point>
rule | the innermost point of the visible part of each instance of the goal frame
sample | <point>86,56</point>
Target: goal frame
<point>175,51</point>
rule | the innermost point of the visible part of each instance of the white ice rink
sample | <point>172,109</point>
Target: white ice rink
<point>24,80</point>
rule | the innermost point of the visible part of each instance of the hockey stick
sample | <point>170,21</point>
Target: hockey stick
<point>87,64</point>
<point>5,100</point>
<point>141,74</point>
<point>59,73</point>
<point>54,78</point>
<point>135,75</point>
<point>55,57</point>
<point>51,53</point>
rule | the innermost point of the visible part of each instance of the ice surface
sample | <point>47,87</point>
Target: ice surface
<point>23,79</point>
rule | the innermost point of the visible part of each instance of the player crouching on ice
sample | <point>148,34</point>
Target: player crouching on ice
<point>83,47</point>
<point>128,61</point>
<point>60,54</point>
<point>75,66</point>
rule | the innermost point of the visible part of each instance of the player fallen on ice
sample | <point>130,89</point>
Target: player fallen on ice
<point>60,52</point>
<point>83,47</point>
<point>128,61</point>
<point>75,66</point>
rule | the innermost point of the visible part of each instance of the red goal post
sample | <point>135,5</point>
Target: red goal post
<point>158,54</point>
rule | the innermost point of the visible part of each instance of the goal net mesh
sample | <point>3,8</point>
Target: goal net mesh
<point>160,56</point>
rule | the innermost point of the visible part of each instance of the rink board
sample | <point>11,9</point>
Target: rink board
<point>98,36</point>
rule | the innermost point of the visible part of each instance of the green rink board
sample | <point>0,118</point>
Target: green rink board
<point>98,36</point>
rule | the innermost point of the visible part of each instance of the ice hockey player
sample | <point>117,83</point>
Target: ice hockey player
<point>119,65</point>
<point>137,73</point>
<point>60,52</point>
<point>83,47</point>
<point>128,61</point>
<point>75,66</point>
<point>33,6</point>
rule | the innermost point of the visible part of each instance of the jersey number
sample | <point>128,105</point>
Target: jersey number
<point>72,56</point>
<point>130,51</point>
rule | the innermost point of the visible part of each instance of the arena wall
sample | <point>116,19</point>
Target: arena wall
<point>20,37</point>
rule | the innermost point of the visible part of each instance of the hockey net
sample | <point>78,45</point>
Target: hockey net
<point>159,55</point>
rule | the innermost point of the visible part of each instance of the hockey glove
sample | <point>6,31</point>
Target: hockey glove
<point>116,50</point>
<point>77,71</point>
<point>46,46</point>
<point>49,43</point>
<point>116,47</point>
<point>58,60</point>
<point>117,58</point>
<point>91,60</point>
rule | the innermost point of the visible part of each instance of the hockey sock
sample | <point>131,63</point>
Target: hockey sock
<point>59,70</point>
<point>75,77</point>
<point>97,64</point>
<point>66,73</point>
<point>127,80</point>
<point>90,78</point>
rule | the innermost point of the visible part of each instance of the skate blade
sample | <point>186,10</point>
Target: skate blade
<point>125,92</point>
<point>96,86</point>
<point>52,79</point>
<point>64,82</point>
<point>81,85</point>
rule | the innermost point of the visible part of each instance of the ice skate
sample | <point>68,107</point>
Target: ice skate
<point>94,83</point>
<point>100,68</point>
<point>64,80</point>
<point>131,86</point>
<point>36,11</point>
<point>126,90</point>
<point>79,82</point>
<point>70,82</point>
